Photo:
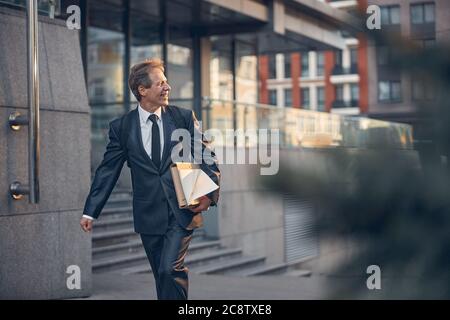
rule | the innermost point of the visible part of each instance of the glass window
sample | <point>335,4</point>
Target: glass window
<point>354,91</point>
<point>273,97</point>
<point>390,15</point>
<point>288,97</point>
<point>340,92</point>
<point>287,65</point>
<point>384,15</point>
<point>305,64</point>
<point>354,56</point>
<point>105,65</point>
<point>429,43</point>
<point>416,14</point>
<point>338,58</point>
<point>320,64</point>
<point>389,91</point>
<point>220,71</point>
<point>417,90</point>
<point>394,15</point>
<point>179,69</point>
<point>305,98</point>
<point>429,12</point>
<point>145,39</point>
<point>382,56</point>
<point>422,13</point>
<point>396,91</point>
<point>320,99</point>
<point>105,71</point>
<point>383,91</point>
<point>422,90</point>
<point>246,72</point>
<point>272,67</point>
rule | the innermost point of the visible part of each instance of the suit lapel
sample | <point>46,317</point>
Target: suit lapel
<point>168,127</point>
<point>137,126</point>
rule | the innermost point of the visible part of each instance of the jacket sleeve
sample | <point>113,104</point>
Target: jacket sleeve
<point>209,163</point>
<point>106,174</point>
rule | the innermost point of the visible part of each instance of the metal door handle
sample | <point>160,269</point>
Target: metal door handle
<point>17,190</point>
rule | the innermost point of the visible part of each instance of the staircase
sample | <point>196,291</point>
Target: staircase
<point>117,248</point>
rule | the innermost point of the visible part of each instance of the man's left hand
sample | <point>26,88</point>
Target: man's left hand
<point>203,205</point>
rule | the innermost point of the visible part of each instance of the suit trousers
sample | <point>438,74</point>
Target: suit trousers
<point>166,255</point>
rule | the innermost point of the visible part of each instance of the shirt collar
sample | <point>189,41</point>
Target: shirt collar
<point>144,114</point>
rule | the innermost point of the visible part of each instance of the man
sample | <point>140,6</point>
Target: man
<point>165,230</point>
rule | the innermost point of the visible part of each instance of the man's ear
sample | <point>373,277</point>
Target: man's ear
<point>141,90</point>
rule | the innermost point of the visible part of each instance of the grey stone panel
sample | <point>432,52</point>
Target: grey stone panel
<point>36,251</point>
<point>64,162</point>
<point>61,77</point>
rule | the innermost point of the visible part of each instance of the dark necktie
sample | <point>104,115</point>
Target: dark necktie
<point>156,142</point>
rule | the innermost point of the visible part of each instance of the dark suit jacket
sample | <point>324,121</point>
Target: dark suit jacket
<point>153,189</point>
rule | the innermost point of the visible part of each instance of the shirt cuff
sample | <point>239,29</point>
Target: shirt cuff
<point>88,217</point>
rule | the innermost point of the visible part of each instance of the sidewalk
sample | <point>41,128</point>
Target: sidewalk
<point>114,286</point>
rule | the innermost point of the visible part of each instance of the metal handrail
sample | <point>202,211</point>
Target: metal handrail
<point>33,101</point>
<point>17,190</point>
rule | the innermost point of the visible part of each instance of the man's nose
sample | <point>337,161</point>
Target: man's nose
<point>167,87</point>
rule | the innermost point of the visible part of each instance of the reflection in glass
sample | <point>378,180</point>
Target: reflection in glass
<point>180,70</point>
<point>304,128</point>
<point>304,95</point>
<point>221,74</point>
<point>105,65</point>
<point>288,97</point>
<point>145,39</point>
<point>305,64</point>
<point>320,98</point>
<point>246,73</point>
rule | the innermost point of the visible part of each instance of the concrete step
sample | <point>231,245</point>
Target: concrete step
<point>197,259</point>
<point>263,270</point>
<point>135,246</point>
<point>117,249</point>
<point>117,262</point>
<point>212,256</point>
<point>299,273</point>
<point>117,212</point>
<point>135,262</point>
<point>114,223</point>
<point>114,203</point>
<point>227,267</point>
<point>101,238</point>
<point>119,192</point>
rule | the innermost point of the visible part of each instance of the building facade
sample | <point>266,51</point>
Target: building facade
<point>328,81</point>
<point>358,80</point>
<point>402,96</point>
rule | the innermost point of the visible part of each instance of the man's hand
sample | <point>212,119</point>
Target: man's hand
<point>86,224</point>
<point>203,205</point>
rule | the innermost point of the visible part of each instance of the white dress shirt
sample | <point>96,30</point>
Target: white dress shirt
<point>146,133</point>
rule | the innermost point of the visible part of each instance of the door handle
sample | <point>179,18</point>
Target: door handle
<point>16,120</point>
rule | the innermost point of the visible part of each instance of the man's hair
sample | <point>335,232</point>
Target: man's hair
<point>139,75</point>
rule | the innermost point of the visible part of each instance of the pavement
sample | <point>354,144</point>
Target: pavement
<point>115,286</point>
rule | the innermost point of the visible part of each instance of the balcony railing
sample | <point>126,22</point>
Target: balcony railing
<point>345,104</point>
<point>304,128</point>
<point>339,70</point>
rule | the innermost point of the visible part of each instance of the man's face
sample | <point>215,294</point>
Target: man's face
<point>158,93</point>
